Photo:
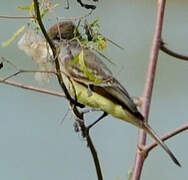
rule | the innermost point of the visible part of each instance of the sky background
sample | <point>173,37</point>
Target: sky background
<point>34,144</point>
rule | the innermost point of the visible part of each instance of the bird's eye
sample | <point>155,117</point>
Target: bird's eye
<point>57,37</point>
<point>63,36</point>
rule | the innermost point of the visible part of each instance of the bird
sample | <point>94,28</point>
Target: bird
<point>90,82</point>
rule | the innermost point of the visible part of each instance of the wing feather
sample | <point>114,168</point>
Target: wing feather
<point>109,86</point>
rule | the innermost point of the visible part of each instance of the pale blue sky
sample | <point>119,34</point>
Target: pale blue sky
<point>33,144</point>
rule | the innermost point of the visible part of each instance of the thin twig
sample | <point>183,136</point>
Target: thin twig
<point>19,71</point>
<point>177,131</point>
<point>87,6</point>
<point>9,62</point>
<point>17,17</point>
<point>27,71</point>
<point>80,120</point>
<point>172,53</point>
<point>76,17</point>
<point>147,94</point>
<point>38,18</point>
<point>95,157</point>
<point>32,88</point>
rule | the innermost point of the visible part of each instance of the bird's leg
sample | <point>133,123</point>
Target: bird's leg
<point>137,101</point>
<point>100,118</point>
<point>83,111</point>
<point>88,110</point>
<point>95,122</point>
<point>89,92</point>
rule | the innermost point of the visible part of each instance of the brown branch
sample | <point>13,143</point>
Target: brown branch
<point>80,120</point>
<point>55,54</point>
<point>39,20</point>
<point>147,94</point>
<point>16,17</point>
<point>172,53</point>
<point>95,157</point>
<point>27,71</point>
<point>32,88</point>
<point>177,131</point>
<point>73,103</point>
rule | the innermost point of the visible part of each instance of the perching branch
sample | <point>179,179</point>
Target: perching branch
<point>167,136</point>
<point>55,54</point>
<point>73,103</point>
<point>80,120</point>
<point>172,53</point>
<point>32,88</point>
<point>147,94</point>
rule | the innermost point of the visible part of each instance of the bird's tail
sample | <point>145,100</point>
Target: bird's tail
<point>152,133</point>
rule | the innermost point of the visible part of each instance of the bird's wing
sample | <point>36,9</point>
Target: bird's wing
<point>95,71</point>
<point>107,85</point>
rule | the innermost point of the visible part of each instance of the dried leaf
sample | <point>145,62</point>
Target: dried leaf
<point>15,35</point>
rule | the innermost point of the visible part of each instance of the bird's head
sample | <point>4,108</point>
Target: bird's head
<point>62,31</point>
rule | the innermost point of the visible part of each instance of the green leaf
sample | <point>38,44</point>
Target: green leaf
<point>23,8</point>
<point>95,23</point>
<point>115,44</point>
<point>84,41</point>
<point>75,60</point>
<point>28,8</point>
<point>101,43</point>
<point>47,8</point>
<point>76,32</point>
<point>79,95</point>
<point>15,35</point>
<point>105,57</point>
<point>85,70</point>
